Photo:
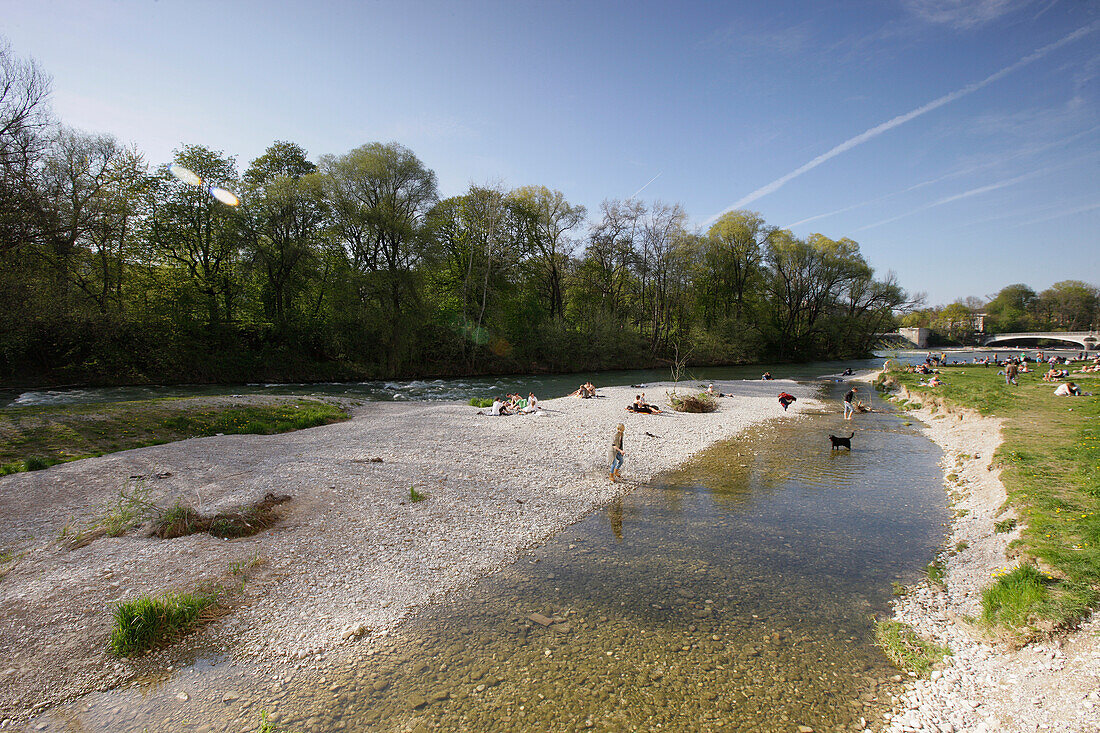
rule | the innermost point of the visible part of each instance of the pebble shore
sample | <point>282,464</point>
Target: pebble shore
<point>353,554</point>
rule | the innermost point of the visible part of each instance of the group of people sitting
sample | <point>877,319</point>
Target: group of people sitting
<point>584,391</point>
<point>1053,374</point>
<point>514,404</point>
<point>640,405</point>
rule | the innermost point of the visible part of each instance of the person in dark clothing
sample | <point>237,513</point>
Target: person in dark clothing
<point>786,399</point>
<point>848,407</point>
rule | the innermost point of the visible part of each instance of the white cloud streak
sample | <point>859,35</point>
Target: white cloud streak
<point>902,119</point>
<point>955,174</point>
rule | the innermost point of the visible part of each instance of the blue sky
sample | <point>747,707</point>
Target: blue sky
<point>958,141</point>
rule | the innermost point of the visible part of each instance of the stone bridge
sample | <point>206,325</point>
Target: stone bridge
<point>1087,340</point>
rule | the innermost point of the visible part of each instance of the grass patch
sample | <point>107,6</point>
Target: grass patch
<point>936,572</point>
<point>905,649</point>
<point>481,401</point>
<point>961,545</point>
<point>148,622</point>
<point>37,437</point>
<point>415,496</point>
<point>1050,466</point>
<point>696,403</point>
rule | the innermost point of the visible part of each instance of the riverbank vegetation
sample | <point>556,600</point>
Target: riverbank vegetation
<point>353,266</point>
<point>1050,461</point>
<point>39,436</point>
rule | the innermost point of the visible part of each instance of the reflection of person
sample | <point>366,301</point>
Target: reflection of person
<point>786,399</point>
<point>617,454</point>
<point>848,409</point>
<point>615,514</point>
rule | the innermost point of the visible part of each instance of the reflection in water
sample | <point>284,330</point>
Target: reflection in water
<point>734,594</point>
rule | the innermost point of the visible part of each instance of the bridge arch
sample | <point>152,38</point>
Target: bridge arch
<point>1087,340</point>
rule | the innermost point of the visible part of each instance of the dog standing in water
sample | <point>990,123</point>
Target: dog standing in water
<point>842,442</point>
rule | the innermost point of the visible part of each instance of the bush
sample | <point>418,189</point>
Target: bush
<point>481,401</point>
<point>34,463</point>
<point>701,402</point>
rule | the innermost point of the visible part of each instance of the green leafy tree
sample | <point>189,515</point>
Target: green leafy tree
<point>193,231</point>
<point>380,195</point>
<point>284,212</point>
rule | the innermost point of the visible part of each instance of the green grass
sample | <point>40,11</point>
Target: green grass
<point>34,438</point>
<point>148,622</point>
<point>481,401</point>
<point>1004,526</point>
<point>935,572</point>
<point>907,650</point>
<point>415,496</point>
<point>1050,461</point>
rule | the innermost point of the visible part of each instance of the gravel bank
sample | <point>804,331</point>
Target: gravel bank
<point>352,555</point>
<point>1054,685</point>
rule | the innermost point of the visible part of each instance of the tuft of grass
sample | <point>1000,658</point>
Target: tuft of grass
<point>151,621</point>
<point>1015,598</point>
<point>415,496</point>
<point>961,545</point>
<point>176,521</point>
<point>898,589</point>
<point>936,572</point>
<point>1004,526</point>
<point>481,401</point>
<point>905,649</point>
<point>36,463</point>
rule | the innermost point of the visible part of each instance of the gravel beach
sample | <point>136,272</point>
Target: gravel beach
<point>352,555</point>
<point>988,686</point>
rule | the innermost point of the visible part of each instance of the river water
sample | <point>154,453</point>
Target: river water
<point>463,388</point>
<point>735,593</point>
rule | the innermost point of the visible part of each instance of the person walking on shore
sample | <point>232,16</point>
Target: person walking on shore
<point>617,454</point>
<point>848,408</point>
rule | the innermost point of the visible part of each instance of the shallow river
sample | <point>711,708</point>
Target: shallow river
<point>737,593</point>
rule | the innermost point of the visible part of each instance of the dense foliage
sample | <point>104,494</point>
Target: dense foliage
<point>113,271</point>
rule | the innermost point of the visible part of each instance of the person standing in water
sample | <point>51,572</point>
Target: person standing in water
<point>848,409</point>
<point>617,453</point>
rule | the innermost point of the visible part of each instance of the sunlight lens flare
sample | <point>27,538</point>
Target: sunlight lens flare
<point>184,174</point>
<point>226,197</point>
<point>190,178</point>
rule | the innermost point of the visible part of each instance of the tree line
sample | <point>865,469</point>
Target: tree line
<point>353,266</point>
<point>1070,305</point>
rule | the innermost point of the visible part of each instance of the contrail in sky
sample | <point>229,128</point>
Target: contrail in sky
<point>651,180</point>
<point>902,119</point>
<point>954,174</point>
<point>956,197</point>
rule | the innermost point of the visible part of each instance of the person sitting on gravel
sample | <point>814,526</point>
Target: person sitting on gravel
<point>499,407</point>
<point>532,403</point>
<point>638,406</point>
